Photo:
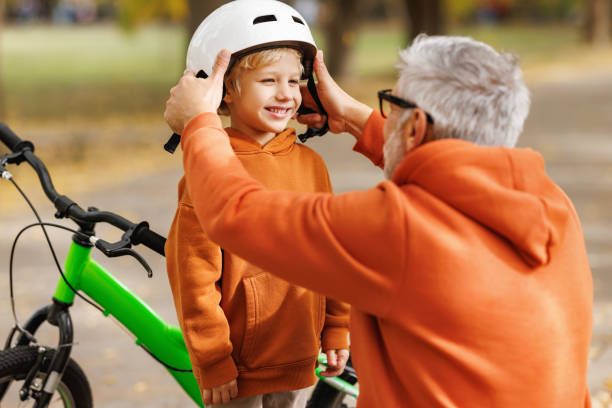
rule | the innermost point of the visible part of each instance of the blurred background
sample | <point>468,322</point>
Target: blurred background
<point>87,81</point>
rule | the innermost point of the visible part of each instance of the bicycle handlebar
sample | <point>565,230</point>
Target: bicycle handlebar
<point>68,208</point>
<point>11,140</point>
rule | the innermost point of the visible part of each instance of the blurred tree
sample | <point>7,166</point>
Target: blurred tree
<point>198,10</point>
<point>341,19</point>
<point>425,16</point>
<point>597,21</point>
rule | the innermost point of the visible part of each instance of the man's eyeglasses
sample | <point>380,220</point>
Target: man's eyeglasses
<point>385,99</point>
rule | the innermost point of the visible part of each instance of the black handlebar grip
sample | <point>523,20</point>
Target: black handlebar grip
<point>10,139</point>
<point>152,240</point>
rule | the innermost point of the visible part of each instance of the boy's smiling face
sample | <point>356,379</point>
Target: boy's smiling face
<point>269,96</point>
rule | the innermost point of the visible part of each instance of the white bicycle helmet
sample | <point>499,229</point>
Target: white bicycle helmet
<point>246,26</point>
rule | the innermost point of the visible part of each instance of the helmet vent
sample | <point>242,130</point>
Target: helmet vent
<point>264,19</point>
<point>298,20</point>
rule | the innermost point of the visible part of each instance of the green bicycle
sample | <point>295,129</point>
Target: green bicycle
<point>47,374</point>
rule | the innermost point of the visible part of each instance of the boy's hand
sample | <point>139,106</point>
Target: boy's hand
<point>344,113</point>
<point>193,96</point>
<point>336,361</point>
<point>221,394</point>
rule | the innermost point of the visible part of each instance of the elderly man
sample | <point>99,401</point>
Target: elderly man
<point>466,269</point>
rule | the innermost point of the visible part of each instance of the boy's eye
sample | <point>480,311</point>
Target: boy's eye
<point>267,80</point>
<point>294,82</point>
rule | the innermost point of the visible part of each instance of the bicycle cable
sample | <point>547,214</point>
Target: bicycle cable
<point>42,225</point>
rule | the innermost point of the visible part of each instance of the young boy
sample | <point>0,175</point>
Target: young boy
<point>251,335</point>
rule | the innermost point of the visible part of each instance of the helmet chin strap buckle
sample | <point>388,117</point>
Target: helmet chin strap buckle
<point>175,139</point>
<point>172,143</point>
<point>310,132</point>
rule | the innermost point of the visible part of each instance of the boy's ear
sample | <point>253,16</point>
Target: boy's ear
<point>227,98</point>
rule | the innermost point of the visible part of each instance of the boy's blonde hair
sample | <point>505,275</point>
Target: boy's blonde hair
<point>251,62</point>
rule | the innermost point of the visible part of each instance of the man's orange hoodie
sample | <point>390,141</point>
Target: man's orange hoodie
<point>467,273</point>
<point>237,319</point>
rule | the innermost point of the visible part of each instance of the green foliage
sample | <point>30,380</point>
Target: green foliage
<point>460,10</point>
<point>135,12</point>
<point>466,10</point>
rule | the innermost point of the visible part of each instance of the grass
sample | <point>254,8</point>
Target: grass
<point>65,55</point>
<point>53,73</point>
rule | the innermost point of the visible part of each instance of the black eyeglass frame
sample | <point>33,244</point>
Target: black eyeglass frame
<point>385,94</point>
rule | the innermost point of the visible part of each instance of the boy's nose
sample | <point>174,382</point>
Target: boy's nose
<point>282,92</point>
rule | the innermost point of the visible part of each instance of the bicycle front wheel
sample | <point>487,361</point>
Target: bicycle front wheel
<point>73,390</point>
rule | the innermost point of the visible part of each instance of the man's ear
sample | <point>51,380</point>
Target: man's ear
<point>415,129</point>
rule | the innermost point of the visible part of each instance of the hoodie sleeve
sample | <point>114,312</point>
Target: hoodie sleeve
<point>349,247</point>
<point>371,141</point>
<point>337,314</point>
<point>336,328</point>
<point>194,267</point>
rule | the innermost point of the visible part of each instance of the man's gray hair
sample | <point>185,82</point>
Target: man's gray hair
<point>472,92</point>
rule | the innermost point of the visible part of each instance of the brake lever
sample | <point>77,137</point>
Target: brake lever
<point>14,158</point>
<point>120,248</point>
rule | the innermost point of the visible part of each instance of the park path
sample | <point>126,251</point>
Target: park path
<point>570,124</point>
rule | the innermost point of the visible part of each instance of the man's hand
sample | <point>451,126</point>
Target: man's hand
<point>221,394</point>
<point>193,96</point>
<point>344,113</point>
<point>336,361</point>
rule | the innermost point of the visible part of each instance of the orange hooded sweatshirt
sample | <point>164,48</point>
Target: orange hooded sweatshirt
<point>237,319</point>
<point>467,273</point>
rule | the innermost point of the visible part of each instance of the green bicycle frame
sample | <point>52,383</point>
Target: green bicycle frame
<point>163,340</point>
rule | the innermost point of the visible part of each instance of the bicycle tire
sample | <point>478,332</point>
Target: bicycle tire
<point>73,390</point>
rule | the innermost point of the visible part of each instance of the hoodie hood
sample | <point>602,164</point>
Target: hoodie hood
<point>506,190</point>
<point>243,144</point>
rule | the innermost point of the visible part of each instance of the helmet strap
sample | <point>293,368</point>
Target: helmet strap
<point>175,139</point>
<point>310,132</point>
